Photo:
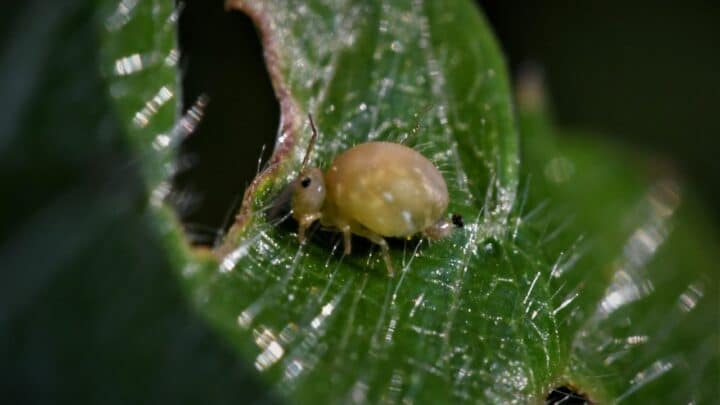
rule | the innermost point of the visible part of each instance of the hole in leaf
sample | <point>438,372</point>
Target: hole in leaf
<point>221,57</point>
<point>566,395</point>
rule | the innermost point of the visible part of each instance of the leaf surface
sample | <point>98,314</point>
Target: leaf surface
<point>559,286</point>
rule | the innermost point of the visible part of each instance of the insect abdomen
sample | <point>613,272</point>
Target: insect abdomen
<point>388,188</point>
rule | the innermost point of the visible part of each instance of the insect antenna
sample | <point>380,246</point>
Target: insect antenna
<point>311,145</point>
<point>416,128</point>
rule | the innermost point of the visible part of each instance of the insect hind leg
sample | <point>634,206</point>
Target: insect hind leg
<point>378,240</point>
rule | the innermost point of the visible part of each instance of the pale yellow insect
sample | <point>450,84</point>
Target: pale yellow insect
<point>374,190</point>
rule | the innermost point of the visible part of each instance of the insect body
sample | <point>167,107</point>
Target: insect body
<point>374,190</point>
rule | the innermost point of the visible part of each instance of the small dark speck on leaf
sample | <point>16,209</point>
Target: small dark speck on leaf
<point>457,220</point>
<point>567,396</point>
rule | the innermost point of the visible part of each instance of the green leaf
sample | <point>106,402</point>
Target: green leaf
<point>90,310</point>
<point>636,262</point>
<point>520,301</point>
<point>304,313</point>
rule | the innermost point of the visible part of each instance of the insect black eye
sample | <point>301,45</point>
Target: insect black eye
<point>305,182</point>
<point>457,220</point>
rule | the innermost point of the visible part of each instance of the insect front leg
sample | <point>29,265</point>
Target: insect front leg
<point>305,223</point>
<point>347,238</point>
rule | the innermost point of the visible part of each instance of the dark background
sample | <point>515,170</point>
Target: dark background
<point>90,312</point>
<point>645,73</point>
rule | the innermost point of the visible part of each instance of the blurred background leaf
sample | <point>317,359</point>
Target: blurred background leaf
<point>635,261</point>
<point>91,310</point>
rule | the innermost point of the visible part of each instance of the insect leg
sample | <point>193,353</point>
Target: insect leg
<point>305,223</point>
<point>347,237</point>
<point>378,240</point>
